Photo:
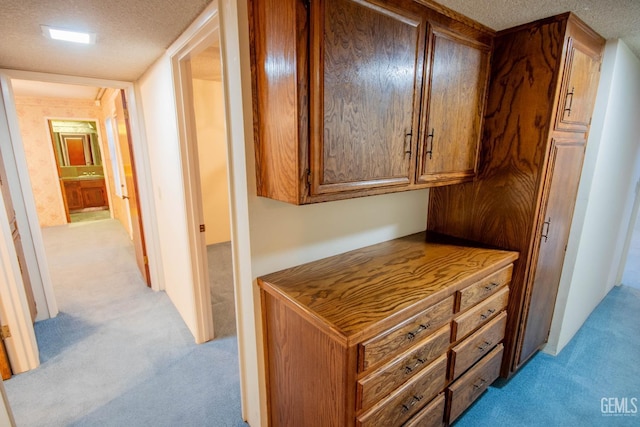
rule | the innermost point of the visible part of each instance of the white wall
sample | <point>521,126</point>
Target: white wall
<point>605,196</point>
<point>208,103</point>
<point>157,102</point>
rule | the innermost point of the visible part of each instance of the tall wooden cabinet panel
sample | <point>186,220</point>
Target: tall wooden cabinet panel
<point>365,93</point>
<point>529,167</point>
<point>457,74</point>
<point>341,90</point>
<point>565,164</point>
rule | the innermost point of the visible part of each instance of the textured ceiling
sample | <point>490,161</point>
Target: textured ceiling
<point>132,34</point>
<point>611,18</point>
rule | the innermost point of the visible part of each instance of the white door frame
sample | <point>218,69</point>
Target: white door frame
<point>182,84</point>
<point>27,217</point>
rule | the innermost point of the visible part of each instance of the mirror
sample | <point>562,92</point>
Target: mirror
<point>75,143</point>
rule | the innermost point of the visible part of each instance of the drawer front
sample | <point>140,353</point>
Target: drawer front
<point>393,374</point>
<point>472,319</point>
<point>477,345</point>
<point>471,385</point>
<point>471,295</point>
<point>431,416</point>
<point>400,405</point>
<point>401,338</point>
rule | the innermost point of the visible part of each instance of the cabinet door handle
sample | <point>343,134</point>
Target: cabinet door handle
<point>484,346</point>
<point>545,234</point>
<point>412,335</point>
<point>409,405</point>
<point>490,286</point>
<point>407,146</point>
<point>570,100</point>
<point>409,369</point>
<point>480,383</point>
<point>488,313</point>
<point>430,136</point>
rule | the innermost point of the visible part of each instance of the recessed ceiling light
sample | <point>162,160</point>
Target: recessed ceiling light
<point>68,35</point>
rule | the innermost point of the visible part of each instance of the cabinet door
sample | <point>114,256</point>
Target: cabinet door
<point>94,194</point>
<point>578,92</point>
<point>564,168</point>
<point>366,79</point>
<point>458,76</point>
<point>74,195</point>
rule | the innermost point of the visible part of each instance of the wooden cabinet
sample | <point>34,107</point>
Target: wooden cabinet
<point>353,98</point>
<point>363,338</point>
<point>85,193</point>
<point>542,89</point>
<point>458,73</point>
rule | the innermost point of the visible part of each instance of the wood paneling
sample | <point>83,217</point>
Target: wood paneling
<point>305,388</point>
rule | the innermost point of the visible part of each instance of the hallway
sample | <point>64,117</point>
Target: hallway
<point>119,353</point>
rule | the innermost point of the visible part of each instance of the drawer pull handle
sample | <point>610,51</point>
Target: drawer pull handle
<point>412,335</point>
<point>484,346</point>
<point>409,369</point>
<point>414,400</point>
<point>480,384</point>
<point>488,313</point>
<point>491,286</point>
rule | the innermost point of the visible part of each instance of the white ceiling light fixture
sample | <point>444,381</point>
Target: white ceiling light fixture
<point>68,35</point>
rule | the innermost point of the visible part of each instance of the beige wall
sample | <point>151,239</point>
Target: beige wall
<point>118,205</point>
<point>212,154</point>
<point>33,114</point>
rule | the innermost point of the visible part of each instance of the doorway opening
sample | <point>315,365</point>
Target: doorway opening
<point>79,163</point>
<point>81,170</point>
<point>203,139</point>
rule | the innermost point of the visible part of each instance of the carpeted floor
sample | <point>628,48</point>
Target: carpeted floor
<point>222,299</point>
<point>118,354</point>
<point>90,215</point>
<point>601,362</point>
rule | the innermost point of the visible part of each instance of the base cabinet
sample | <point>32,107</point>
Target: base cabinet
<point>368,338</point>
<point>86,193</point>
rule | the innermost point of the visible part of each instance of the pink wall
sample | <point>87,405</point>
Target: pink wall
<point>33,114</point>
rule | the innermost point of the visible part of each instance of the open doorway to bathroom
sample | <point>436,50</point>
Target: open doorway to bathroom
<point>80,167</point>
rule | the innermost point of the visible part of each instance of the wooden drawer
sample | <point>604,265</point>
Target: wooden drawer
<point>431,415</point>
<point>471,295</point>
<point>391,375</point>
<point>471,385</point>
<point>477,345</point>
<point>467,322</point>
<point>405,335</point>
<point>400,405</point>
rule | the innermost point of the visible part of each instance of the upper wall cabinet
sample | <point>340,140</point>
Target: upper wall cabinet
<point>579,87</point>
<point>362,97</point>
<point>453,109</point>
